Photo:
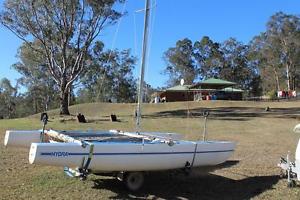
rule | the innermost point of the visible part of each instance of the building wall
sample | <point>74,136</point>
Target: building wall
<point>178,96</point>
<point>172,96</point>
<point>229,96</point>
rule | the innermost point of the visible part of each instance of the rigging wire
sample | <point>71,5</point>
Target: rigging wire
<point>136,55</point>
<point>135,34</point>
<point>151,33</point>
<point>114,41</point>
<point>187,127</point>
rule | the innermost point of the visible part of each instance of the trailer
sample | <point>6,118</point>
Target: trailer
<point>291,169</point>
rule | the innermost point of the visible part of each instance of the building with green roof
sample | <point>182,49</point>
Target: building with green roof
<point>213,83</point>
<point>205,90</point>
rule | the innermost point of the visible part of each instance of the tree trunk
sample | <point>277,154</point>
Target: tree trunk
<point>35,104</point>
<point>294,83</point>
<point>288,77</point>
<point>70,95</point>
<point>276,79</point>
<point>64,99</point>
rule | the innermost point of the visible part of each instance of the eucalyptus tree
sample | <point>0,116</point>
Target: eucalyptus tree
<point>267,56</point>
<point>41,88</point>
<point>283,33</point>
<point>66,31</point>
<point>236,66</point>
<point>208,57</point>
<point>110,76</point>
<point>180,62</point>
<point>8,95</point>
<point>277,51</point>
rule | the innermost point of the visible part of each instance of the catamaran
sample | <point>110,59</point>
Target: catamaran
<point>126,154</point>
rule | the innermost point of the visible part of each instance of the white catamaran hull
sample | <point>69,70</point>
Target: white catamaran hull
<point>109,156</point>
<point>24,138</point>
<point>21,138</point>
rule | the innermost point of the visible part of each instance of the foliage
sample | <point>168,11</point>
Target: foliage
<point>271,61</point>
<point>180,62</point>
<point>65,30</point>
<point>42,92</point>
<point>272,94</point>
<point>61,49</point>
<point>236,66</point>
<point>110,77</point>
<point>207,59</point>
<point>8,97</point>
<point>277,51</point>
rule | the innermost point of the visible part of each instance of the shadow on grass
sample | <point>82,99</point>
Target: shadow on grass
<point>170,185</point>
<point>200,187</point>
<point>230,113</point>
<point>91,121</point>
<point>97,120</point>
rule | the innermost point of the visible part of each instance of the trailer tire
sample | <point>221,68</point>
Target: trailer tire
<point>291,184</point>
<point>283,174</point>
<point>133,180</point>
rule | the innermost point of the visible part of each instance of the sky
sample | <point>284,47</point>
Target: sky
<point>172,20</point>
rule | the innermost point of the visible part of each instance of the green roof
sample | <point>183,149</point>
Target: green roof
<point>207,84</point>
<point>179,88</point>
<point>213,83</point>
<point>230,89</point>
<point>217,81</point>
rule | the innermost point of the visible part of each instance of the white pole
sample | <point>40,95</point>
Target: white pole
<point>142,72</point>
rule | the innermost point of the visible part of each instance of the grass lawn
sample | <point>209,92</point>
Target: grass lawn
<point>262,137</point>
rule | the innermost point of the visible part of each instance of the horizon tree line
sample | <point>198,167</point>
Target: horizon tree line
<point>61,54</point>
<point>269,62</point>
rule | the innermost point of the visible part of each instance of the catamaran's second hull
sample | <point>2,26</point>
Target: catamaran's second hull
<point>112,156</point>
<point>24,138</point>
<point>21,138</point>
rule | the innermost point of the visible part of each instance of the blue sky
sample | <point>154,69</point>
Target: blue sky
<point>174,20</point>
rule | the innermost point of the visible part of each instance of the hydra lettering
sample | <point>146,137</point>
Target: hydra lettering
<point>60,154</point>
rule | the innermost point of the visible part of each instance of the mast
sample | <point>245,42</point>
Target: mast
<point>143,64</point>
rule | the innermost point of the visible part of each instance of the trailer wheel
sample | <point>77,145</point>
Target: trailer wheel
<point>133,180</point>
<point>283,174</point>
<point>291,184</point>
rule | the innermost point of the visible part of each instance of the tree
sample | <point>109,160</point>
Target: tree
<point>208,56</point>
<point>66,31</point>
<point>8,95</point>
<point>283,32</point>
<point>236,66</point>
<point>267,58</point>
<point>180,63</point>
<point>110,76</point>
<point>277,51</point>
<point>209,59</point>
<point>42,91</point>
<point>148,91</point>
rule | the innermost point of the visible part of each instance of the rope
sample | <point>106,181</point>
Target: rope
<point>192,164</point>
